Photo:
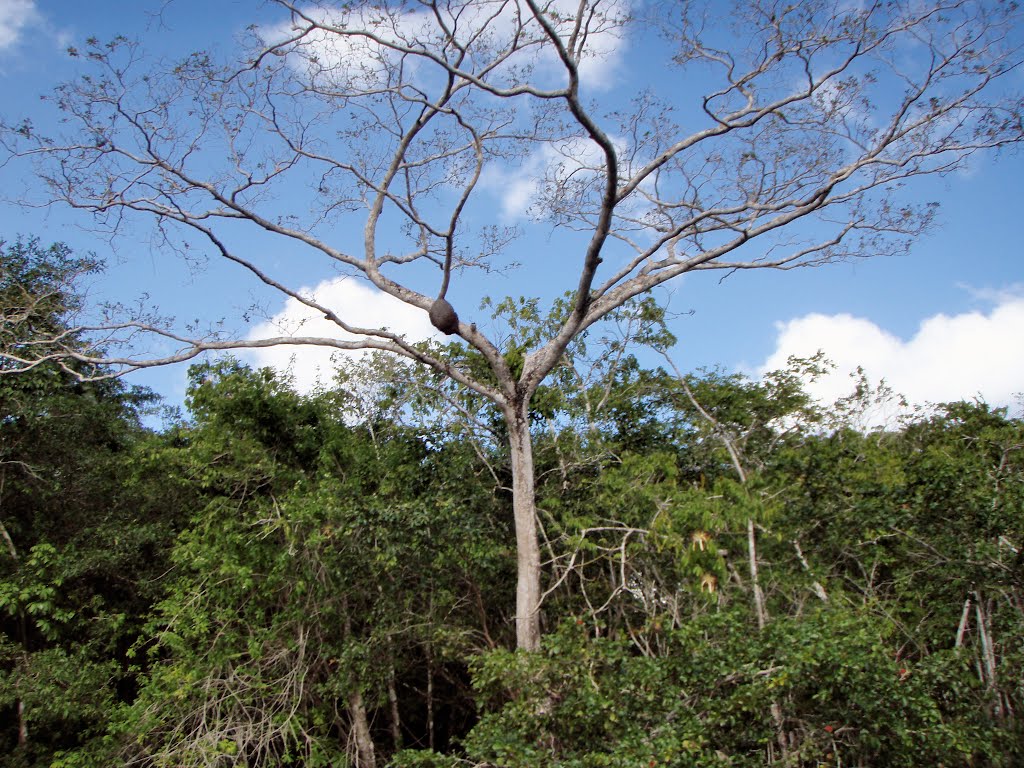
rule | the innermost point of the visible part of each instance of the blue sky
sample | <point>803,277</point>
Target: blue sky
<point>945,321</point>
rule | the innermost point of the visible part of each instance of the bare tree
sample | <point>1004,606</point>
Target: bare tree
<point>779,137</point>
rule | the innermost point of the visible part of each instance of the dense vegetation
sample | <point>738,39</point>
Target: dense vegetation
<point>734,577</point>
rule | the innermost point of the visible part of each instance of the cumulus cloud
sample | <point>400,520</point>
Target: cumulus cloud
<point>605,48</point>
<point>950,357</point>
<point>353,302</point>
<point>518,188</point>
<point>360,62</point>
<point>521,188</point>
<point>15,16</point>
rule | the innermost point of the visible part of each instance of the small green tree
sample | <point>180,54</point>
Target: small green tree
<point>331,568</point>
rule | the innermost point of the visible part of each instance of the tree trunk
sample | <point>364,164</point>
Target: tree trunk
<point>396,718</point>
<point>524,515</point>
<point>22,725</point>
<point>430,697</point>
<point>961,629</point>
<point>759,608</point>
<point>365,754</point>
<point>983,613</point>
<point>22,633</point>
<point>359,723</point>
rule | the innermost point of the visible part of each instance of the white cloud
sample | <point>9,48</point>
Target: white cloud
<point>605,48</point>
<point>975,354</point>
<point>353,302</point>
<point>349,61</point>
<point>517,187</point>
<point>357,62</point>
<point>15,15</point>
<point>485,26</point>
<point>521,187</point>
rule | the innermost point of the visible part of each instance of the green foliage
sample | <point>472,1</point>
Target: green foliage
<point>243,588</point>
<point>39,294</point>
<point>323,563</point>
<point>84,527</point>
<point>706,701</point>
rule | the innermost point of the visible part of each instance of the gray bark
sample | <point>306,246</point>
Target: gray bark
<point>365,754</point>
<point>524,515</point>
<point>961,629</point>
<point>759,607</point>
